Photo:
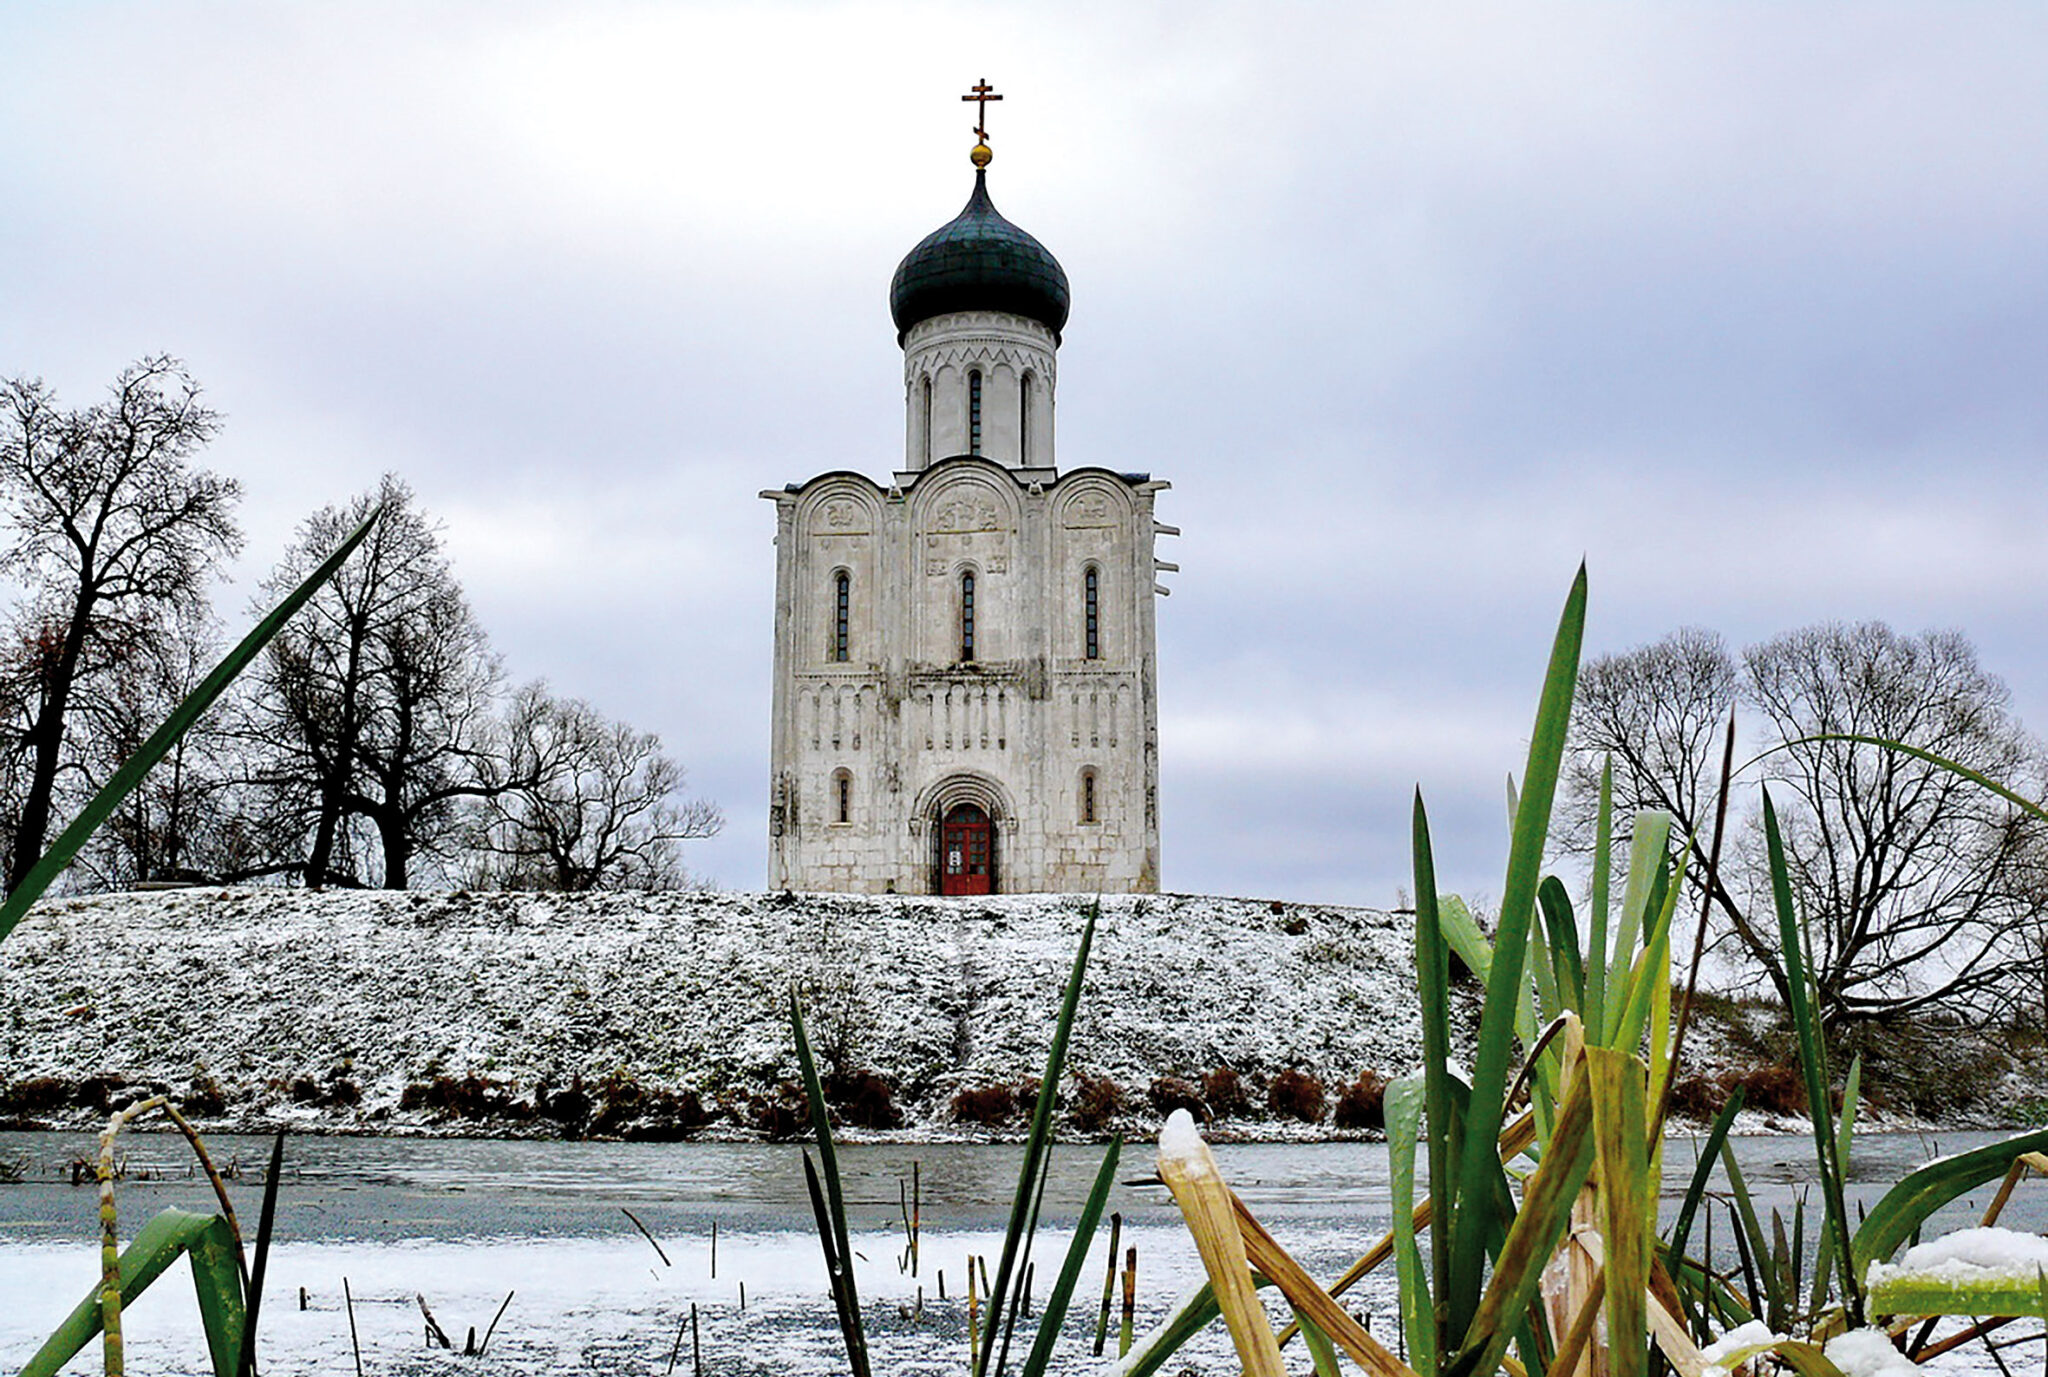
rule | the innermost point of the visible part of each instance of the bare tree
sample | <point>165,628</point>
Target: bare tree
<point>375,704</point>
<point>597,805</point>
<point>1917,886</point>
<point>172,825</point>
<point>1656,715</point>
<point>114,534</point>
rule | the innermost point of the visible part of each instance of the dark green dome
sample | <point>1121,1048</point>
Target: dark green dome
<point>978,261</point>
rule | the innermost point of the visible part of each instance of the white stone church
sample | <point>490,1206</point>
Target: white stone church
<point>964,657</point>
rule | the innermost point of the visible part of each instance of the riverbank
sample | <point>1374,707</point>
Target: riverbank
<point>665,1015</point>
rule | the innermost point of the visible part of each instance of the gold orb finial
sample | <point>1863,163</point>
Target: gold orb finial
<point>981,94</point>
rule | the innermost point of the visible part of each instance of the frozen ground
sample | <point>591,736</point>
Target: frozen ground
<point>319,1010</point>
<point>582,1305</point>
<point>463,1222</point>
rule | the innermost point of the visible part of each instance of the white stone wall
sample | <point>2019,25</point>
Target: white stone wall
<point>915,728</point>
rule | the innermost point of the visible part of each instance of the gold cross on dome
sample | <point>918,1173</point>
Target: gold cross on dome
<point>981,93</point>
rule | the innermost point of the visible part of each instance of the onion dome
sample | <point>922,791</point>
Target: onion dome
<point>978,261</point>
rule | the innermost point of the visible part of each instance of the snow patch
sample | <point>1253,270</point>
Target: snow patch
<point>2003,1251</point>
<point>1180,1143</point>
<point>1738,1346</point>
<point>1869,1353</point>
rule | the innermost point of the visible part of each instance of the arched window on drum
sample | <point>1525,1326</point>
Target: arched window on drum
<point>1091,613</point>
<point>842,617</point>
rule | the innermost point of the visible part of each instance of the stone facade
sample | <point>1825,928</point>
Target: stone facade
<point>872,751</point>
<point>964,689</point>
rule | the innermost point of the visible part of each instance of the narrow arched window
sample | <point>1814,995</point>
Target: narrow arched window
<point>927,419</point>
<point>842,607</point>
<point>1087,795</point>
<point>1024,420</point>
<point>967,616</point>
<point>974,412</point>
<point>1091,611</point>
<point>842,796</point>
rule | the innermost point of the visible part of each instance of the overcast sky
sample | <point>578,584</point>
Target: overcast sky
<point>1415,307</point>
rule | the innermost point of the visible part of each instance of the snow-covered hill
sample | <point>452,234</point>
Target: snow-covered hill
<point>663,1013</point>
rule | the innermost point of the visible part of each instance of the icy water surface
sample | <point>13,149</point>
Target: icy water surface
<point>463,1222</point>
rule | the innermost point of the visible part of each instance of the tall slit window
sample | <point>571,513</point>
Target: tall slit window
<point>927,420</point>
<point>1091,611</point>
<point>974,412</point>
<point>1024,420</point>
<point>842,795</point>
<point>967,616</point>
<point>1088,796</point>
<point>842,606</point>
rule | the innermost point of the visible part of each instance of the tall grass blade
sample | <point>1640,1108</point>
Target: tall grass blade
<point>1478,1169</point>
<point>1432,984</point>
<point>1062,1293</point>
<point>1845,1133</point>
<point>1569,965</point>
<point>1784,1276</point>
<point>1953,767</point>
<point>1681,1226</point>
<point>1405,1101</point>
<point>839,1275</point>
<point>1322,1354</point>
<point>1209,1210</point>
<point>1463,935</point>
<point>1750,1242</point>
<point>1041,1135</point>
<point>210,1245</point>
<point>1595,1012</point>
<point>1016,1302</point>
<point>1648,846</point>
<point>116,790</point>
<point>832,1231</point>
<point>1633,1000</point>
<point>1813,1061</point>
<point>1621,1149</point>
<point>1539,1226</point>
<point>245,1364</point>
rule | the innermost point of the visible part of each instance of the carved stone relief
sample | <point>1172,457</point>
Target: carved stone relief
<point>1088,510</point>
<point>839,516</point>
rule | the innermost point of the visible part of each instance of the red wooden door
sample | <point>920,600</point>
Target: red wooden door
<point>966,852</point>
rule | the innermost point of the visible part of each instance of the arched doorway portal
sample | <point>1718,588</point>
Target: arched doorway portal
<point>967,851</point>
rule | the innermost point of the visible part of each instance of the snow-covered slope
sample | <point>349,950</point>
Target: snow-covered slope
<point>376,1010</point>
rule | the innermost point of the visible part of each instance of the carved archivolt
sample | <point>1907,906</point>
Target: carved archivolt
<point>985,792</point>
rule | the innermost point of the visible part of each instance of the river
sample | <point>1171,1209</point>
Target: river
<point>463,1222</point>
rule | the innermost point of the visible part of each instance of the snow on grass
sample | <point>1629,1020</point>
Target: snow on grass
<point>1982,1271</point>
<point>370,992</point>
<point>2002,1252</point>
<point>1869,1353</point>
<point>1738,1346</point>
